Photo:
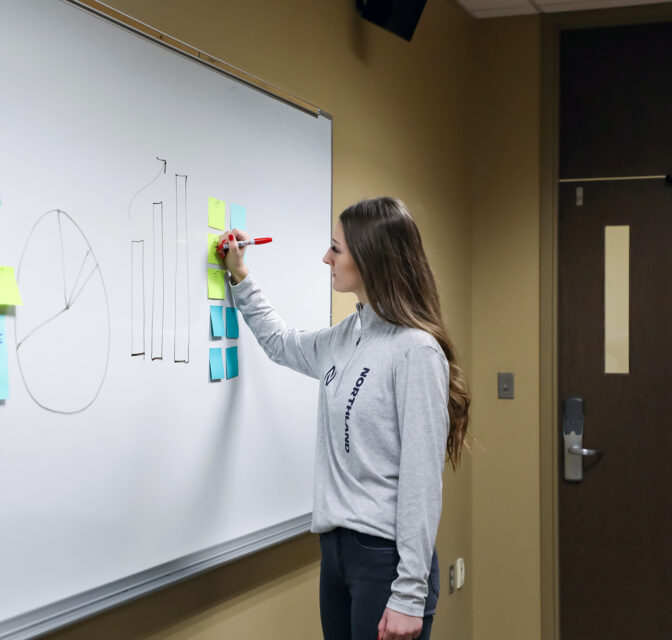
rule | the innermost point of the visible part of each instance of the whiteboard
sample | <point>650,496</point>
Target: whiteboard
<point>120,473</point>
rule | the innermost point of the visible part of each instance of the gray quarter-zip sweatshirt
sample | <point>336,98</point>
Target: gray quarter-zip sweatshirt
<point>382,428</point>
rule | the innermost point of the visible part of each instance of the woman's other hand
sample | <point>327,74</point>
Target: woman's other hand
<point>398,626</point>
<point>234,255</point>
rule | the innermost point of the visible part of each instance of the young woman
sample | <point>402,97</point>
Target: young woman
<point>392,402</point>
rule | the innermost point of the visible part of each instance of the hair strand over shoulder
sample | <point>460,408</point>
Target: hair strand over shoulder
<point>385,243</point>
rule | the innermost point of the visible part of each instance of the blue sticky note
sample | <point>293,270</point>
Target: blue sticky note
<point>238,217</point>
<point>231,362</point>
<point>216,364</point>
<point>4,366</point>
<point>217,320</point>
<point>231,322</point>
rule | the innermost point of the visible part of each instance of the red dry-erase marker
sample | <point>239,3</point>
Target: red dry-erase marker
<point>224,246</point>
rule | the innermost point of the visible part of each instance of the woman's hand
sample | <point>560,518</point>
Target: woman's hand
<point>398,626</point>
<point>234,255</point>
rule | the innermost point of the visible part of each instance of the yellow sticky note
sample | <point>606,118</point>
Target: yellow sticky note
<point>216,213</point>
<point>213,256</point>
<point>9,290</point>
<point>217,284</point>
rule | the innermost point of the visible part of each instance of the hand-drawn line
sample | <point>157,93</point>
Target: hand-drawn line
<point>39,326</point>
<point>79,273</point>
<point>181,238</point>
<point>138,283</point>
<point>73,295</point>
<point>72,301</point>
<point>60,213</point>
<point>137,193</point>
<point>158,289</point>
<point>60,235</point>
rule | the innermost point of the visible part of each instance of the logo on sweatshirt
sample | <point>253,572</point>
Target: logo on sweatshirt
<point>351,401</point>
<point>331,374</point>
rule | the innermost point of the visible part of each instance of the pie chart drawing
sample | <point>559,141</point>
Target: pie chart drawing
<point>63,328</point>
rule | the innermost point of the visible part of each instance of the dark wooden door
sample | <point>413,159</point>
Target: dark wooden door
<point>615,526</point>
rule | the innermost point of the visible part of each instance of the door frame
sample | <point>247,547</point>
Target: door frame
<point>552,26</point>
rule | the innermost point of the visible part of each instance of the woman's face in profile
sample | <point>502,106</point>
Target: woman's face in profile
<point>345,275</point>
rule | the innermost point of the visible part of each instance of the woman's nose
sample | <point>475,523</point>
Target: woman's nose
<point>326,258</point>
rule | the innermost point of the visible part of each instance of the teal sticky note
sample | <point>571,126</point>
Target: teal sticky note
<point>231,322</point>
<point>216,364</point>
<point>217,321</point>
<point>4,366</point>
<point>231,362</point>
<point>238,217</point>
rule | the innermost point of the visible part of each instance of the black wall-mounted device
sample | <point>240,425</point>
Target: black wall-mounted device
<point>398,16</point>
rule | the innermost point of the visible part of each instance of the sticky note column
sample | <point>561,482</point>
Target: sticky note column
<point>216,284</point>
<point>216,277</point>
<point>222,364</point>
<point>232,333</point>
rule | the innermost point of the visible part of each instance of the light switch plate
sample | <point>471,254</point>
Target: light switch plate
<point>505,385</point>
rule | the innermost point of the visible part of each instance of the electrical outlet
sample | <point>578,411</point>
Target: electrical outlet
<point>460,572</point>
<point>451,579</point>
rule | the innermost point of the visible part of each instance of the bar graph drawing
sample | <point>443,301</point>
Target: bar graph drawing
<point>149,213</point>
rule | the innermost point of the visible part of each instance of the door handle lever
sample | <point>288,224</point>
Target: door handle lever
<point>572,433</point>
<point>584,452</point>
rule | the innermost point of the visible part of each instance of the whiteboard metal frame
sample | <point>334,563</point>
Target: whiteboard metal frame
<point>76,608</point>
<point>102,10</point>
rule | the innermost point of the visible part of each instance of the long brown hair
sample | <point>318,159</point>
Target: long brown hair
<point>386,246</point>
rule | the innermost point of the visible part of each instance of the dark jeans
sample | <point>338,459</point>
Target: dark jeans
<point>356,577</point>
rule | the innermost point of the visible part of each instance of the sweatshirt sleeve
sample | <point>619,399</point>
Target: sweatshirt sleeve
<point>291,348</point>
<point>421,389</point>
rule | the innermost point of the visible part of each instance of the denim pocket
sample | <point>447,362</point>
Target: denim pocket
<point>373,543</point>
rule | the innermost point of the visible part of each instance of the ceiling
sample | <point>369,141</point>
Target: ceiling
<point>498,8</point>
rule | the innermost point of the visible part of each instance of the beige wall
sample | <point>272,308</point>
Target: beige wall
<point>401,122</point>
<point>449,123</point>
<point>505,328</point>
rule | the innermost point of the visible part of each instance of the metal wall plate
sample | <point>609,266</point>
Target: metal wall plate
<point>505,385</point>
